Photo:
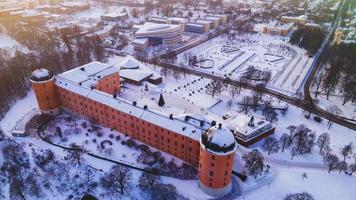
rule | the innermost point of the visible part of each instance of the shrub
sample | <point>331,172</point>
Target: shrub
<point>64,139</point>
<point>99,134</point>
<point>131,143</point>
<point>111,136</point>
<point>144,148</point>
<point>318,119</point>
<point>94,140</point>
<point>117,137</point>
<point>85,125</point>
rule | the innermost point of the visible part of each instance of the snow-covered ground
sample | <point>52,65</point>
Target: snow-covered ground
<point>320,184</point>
<point>10,44</point>
<point>288,64</point>
<point>18,111</point>
<point>335,103</point>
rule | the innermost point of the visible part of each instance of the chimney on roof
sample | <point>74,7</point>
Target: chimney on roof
<point>82,69</point>
<point>134,103</point>
<point>145,107</point>
<point>220,125</point>
<point>171,116</point>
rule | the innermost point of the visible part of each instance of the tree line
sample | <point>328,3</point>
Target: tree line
<point>340,73</point>
<point>41,48</point>
<point>308,38</point>
<point>30,173</point>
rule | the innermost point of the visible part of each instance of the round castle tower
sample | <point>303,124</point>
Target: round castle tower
<point>217,150</point>
<point>43,85</point>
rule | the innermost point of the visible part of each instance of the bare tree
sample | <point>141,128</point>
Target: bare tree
<point>271,145</point>
<point>229,103</point>
<point>291,129</point>
<point>285,141</point>
<point>215,87</point>
<point>117,180</point>
<point>149,182</point>
<point>254,162</point>
<point>293,152</point>
<point>346,151</point>
<point>299,196</point>
<point>352,168</point>
<point>331,160</point>
<point>317,82</point>
<point>233,91</point>
<point>323,141</point>
<point>75,156</point>
<point>303,140</point>
<point>342,166</point>
<point>325,152</point>
<point>245,104</point>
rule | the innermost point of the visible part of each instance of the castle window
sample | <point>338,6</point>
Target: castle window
<point>213,157</point>
<point>211,173</point>
<point>225,172</point>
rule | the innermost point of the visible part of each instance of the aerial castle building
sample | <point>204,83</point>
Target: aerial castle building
<point>90,91</point>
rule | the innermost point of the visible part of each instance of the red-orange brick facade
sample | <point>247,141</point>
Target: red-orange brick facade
<point>51,96</point>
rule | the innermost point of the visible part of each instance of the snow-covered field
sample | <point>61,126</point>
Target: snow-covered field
<point>10,44</point>
<point>320,184</point>
<point>335,103</point>
<point>287,174</point>
<point>288,64</point>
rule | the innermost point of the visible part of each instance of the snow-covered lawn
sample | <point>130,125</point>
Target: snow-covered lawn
<point>335,103</point>
<point>288,64</point>
<point>99,140</point>
<point>320,184</point>
<point>18,111</point>
<point>9,44</point>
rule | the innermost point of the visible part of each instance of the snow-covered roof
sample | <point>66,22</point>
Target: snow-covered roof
<point>219,139</point>
<point>178,19</point>
<point>140,41</point>
<point>41,75</point>
<point>135,75</point>
<point>73,4</point>
<point>93,71</point>
<point>301,17</point>
<point>114,14</point>
<point>278,25</point>
<point>153,28</point>
<point>130,63</point>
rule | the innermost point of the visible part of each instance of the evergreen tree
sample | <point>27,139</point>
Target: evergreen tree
<point>161,101</point>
